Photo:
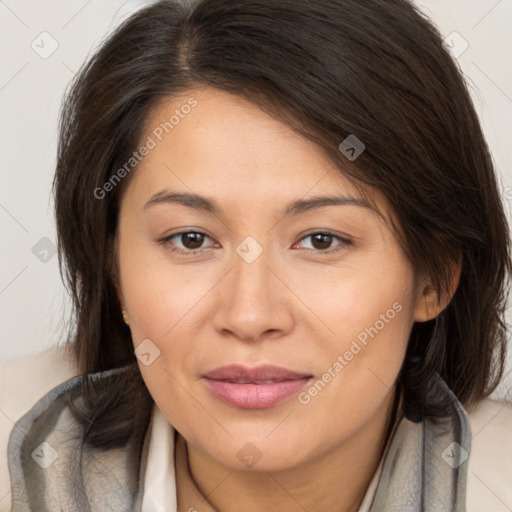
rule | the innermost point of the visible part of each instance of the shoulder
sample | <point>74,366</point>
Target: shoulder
<point>489,483</point>
<point>23,382</point>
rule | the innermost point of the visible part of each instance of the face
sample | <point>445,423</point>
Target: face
<point>323,289</point>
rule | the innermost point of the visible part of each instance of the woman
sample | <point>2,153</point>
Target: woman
<point>281,229</point>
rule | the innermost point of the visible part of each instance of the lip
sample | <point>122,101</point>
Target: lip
<point>257,393</point>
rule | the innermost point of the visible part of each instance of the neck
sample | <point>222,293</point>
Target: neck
<point>333,480</point>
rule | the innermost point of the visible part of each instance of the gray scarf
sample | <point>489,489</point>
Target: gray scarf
<point>51,470</point>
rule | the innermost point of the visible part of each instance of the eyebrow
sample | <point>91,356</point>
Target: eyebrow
<point>208,205</point>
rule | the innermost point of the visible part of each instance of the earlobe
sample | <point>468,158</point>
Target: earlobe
<point>428,303</point>
<point>427,306</point>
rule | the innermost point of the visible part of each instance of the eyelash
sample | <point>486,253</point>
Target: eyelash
<point>343,243</point>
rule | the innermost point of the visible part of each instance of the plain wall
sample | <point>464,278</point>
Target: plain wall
<point>33,302</point>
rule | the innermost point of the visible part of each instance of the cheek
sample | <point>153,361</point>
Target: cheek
<point>164,305</point>
<point>357,376</point>
<point>161,296</point>
<point>370,311</point>
<point>356,299</point>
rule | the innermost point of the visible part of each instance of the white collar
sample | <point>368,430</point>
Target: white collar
<point>160,479</point>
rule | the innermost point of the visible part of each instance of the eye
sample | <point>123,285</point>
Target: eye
<point>191,241</point>
<point>322,240</point>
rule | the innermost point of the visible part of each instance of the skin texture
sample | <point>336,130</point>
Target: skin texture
<point>295,306</point>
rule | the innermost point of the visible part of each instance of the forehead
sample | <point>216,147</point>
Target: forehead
<point>226,147</point>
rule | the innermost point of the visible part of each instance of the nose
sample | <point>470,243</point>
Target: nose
<point>254,301</point>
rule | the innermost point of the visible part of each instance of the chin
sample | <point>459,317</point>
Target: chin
<point>256,453</point>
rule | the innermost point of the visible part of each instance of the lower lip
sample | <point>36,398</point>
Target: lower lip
<point>255,396</point>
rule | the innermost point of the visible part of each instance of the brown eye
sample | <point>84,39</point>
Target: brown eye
<point>322,242</point>
<point>192,240</point>
<point>185,242</point>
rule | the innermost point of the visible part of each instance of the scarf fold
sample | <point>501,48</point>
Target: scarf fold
<point>424,467</point>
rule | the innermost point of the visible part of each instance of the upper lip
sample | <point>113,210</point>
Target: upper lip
<point>259,373</point>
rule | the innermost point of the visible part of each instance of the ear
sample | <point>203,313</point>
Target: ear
<point>428,304</point>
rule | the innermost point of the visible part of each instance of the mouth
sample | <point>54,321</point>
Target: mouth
<point>241,381</point>
<point>254,388</point>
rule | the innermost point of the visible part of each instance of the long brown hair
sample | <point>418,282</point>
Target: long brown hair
<point>329,69</point>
